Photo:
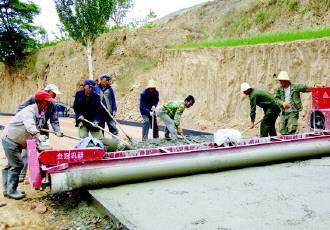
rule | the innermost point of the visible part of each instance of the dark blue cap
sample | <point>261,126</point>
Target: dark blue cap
<point>105,75</point>
<point>90,83</point>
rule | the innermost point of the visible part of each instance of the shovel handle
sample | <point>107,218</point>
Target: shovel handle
<point>97,126</point>
<point>250,127</point>
<point>105,108</point>
<point>49,131</point>
<point>184,137</point>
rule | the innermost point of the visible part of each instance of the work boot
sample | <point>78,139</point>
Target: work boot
<point>4,181</point>
<point>12,183</point>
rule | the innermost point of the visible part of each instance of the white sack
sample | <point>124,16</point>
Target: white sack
<point>226,136</point>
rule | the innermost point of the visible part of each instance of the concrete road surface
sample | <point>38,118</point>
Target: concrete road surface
<point>290,196</point>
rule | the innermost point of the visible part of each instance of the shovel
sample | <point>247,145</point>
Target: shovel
<point>153,122</point>
<point>105,130</point>
<point>250,127</point>
<point>129,138</point>
<point>184,137</point>
<point>48,131</point>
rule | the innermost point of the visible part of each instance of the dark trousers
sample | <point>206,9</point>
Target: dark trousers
<point>267,127</point>
<point>106,119</point>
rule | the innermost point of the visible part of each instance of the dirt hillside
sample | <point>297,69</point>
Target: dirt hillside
<point>222,18</point>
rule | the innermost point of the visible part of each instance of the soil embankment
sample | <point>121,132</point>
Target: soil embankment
<point>212,75</point>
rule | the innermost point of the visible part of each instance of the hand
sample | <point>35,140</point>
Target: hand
<point>153,108</point>
<point>42,138</point>
<point>59,134</point>
<point>151,113</point>
<point>179,131</point>
<point>114,114</point>
<point>95,123</point>
<point>286,105</point>
<point>252,125</point>
<point>81,117</point>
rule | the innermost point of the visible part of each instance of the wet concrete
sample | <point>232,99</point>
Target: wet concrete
<point>162,142</point>
<point>291,195</point>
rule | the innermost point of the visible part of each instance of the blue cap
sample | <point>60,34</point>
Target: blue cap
<point>105,75</point>
<point>90,83</point>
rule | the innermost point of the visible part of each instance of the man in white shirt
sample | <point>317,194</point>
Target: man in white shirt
<point>24,126</point>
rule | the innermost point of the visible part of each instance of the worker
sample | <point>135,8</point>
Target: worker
<point>108,103</point>
<point>81,86</point>
<point>25,125</point>
<point>149,99</point>
<point>87,106</point>
<point>288,96</point>
<point>50,115</point>
<point>171,113</point>
<point>267,102</point>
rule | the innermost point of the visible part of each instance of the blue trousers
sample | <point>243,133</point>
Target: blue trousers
<point>147,124</point>
<point>111,124</point>
<point>13,154</point>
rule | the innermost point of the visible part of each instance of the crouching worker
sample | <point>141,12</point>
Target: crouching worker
<point>24,126</point>
<point>171,113</point>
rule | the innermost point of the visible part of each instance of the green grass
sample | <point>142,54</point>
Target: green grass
<point>261,38</point>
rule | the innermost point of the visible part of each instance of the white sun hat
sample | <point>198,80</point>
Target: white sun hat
<point>245,86</point>
<point>53,88</point>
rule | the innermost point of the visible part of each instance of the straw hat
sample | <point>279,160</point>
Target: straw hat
<point>245,86</point>
<point>152,84</point>
<point>283,76</point>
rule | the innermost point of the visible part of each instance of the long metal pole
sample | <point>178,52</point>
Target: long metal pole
<point>179,166</point>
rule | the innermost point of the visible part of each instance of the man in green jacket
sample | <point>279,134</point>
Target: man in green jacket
<point>171,113</point>
<point>266,101</point>
<point>288,95</point>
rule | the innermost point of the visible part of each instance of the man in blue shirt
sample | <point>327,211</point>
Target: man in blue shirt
<point>107,97</point>
<point>149,99</point>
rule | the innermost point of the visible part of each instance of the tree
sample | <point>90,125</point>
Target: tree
<point>143,22</point>
<point>16,31</point>
<point>119,13</point>
<point>85,20</point>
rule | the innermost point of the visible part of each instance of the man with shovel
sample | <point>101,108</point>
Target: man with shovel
<point>107,97</point>
<point>171,113</point>
<point>267,102</point>
<point>87,106</point>
<point>149,99</point>
<point>88,109</point>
